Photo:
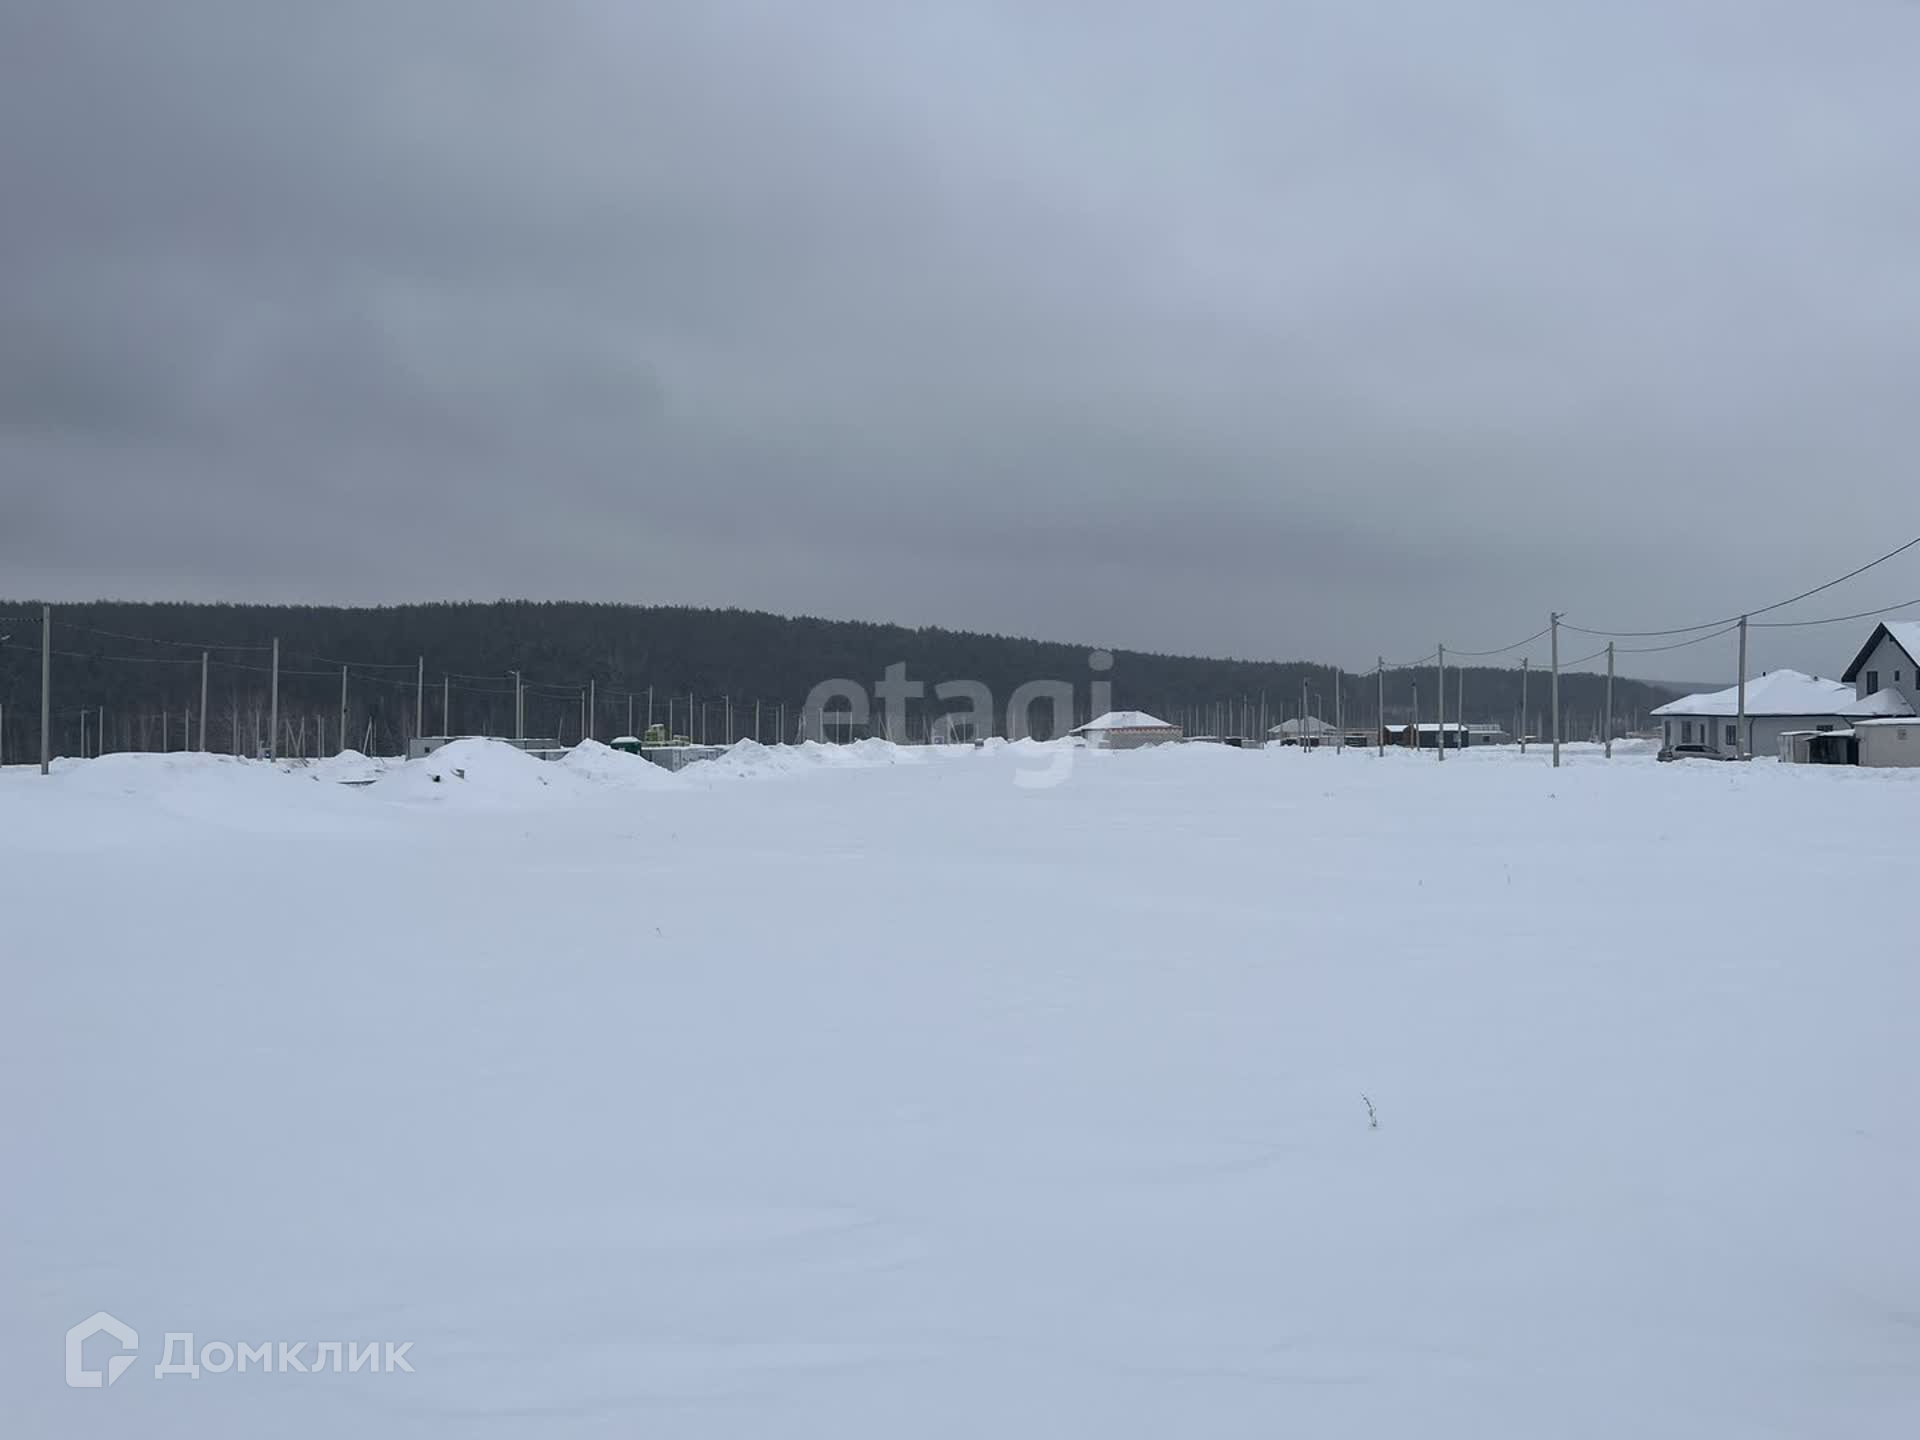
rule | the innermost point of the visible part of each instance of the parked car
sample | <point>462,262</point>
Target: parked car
<point>1691,752</point>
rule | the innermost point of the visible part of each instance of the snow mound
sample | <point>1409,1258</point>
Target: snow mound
<point>481,771</point>
<point>618,769</point>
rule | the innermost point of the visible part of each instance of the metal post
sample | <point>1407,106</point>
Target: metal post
<point>1460,702</point>
<point>1339,714</point>
<point>1380,702</point>
<point>756,722</point>
<point>593,708</point>
<point>629,712</point>
<point>1553,623</point>
<point>519,708</point>
<point>1440,706</point>
<point>273,710</point>
<point>343,707</point>
<point>46,688</point>
<point>1608,733</point>
<point>1523,706</point>
<point>83,734</point>
<point>650,708</point>
<point>100,733</point>
<point>420,698</point>
<point>446,704</point>
<point>1740,734</point>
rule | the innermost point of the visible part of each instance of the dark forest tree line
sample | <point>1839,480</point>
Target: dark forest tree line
<point>134,670</point>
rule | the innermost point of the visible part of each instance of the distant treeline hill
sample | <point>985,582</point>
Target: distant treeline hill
<point>137,667</point>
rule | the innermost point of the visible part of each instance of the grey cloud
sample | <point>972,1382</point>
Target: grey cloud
<point>1237,328</point>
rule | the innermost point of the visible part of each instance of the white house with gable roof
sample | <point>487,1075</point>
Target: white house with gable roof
<point>1887,662</point>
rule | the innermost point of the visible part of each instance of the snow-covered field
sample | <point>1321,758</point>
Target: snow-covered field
<point>893,1094</point>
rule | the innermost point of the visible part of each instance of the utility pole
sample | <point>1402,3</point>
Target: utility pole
<point>1339,713</point>
<point>756,723</point>
<point>1303,715</point>
<point>343,708</point>
<point>629,712</point>
<point>46,688</point>
<point>593,707</point>
<point>420,698</point>
<point>1440,705</point>
<point>1380,702</point>
<point>519,708</point>
<point>1740,734</point>
<point>1608,733</point>
<point>1460,702</point>
<point>446,704</point>
<point>1523,705</point>
<point>650,709</point>
<point>1553,624</point>
<point>273,711</point>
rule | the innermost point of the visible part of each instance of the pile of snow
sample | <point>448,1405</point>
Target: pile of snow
<point>481,772</point>
<point>618,769</point>
<point>348,767</point>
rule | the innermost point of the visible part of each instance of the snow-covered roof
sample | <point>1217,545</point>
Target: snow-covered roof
<point>1314,726</point>
<point>1778,692</point>
<point>1126,720</point>
<point>1427,727</point>
<point>1882,703</point>
<point>1879,724</point>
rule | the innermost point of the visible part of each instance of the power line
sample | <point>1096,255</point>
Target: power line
<point>156,640</point>
<point>1483,654</point>
<point>1761,610</point>
<point>1833,619</point>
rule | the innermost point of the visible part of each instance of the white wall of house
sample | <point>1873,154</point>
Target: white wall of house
<point>1883,746</point>
<point>1764,731</point>
<point>1888,668</point>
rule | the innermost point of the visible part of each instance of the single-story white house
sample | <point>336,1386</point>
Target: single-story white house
<point>1890,660</point>
<point>1313,728</point>
<point>1127,730</point>
<point>1426,735</point>
<point>1777,702</point>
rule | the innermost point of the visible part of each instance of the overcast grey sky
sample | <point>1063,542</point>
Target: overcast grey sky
<point>1267,329</point>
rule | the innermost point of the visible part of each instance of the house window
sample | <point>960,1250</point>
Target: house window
<point>1733,735</point>
<point>1873,681</point>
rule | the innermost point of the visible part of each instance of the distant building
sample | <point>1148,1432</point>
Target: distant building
<point>1127,730</point>
<point>1310,731</point>
<point>1882,744</point>
<point>1778,702</point>
<point>1427,736</point>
